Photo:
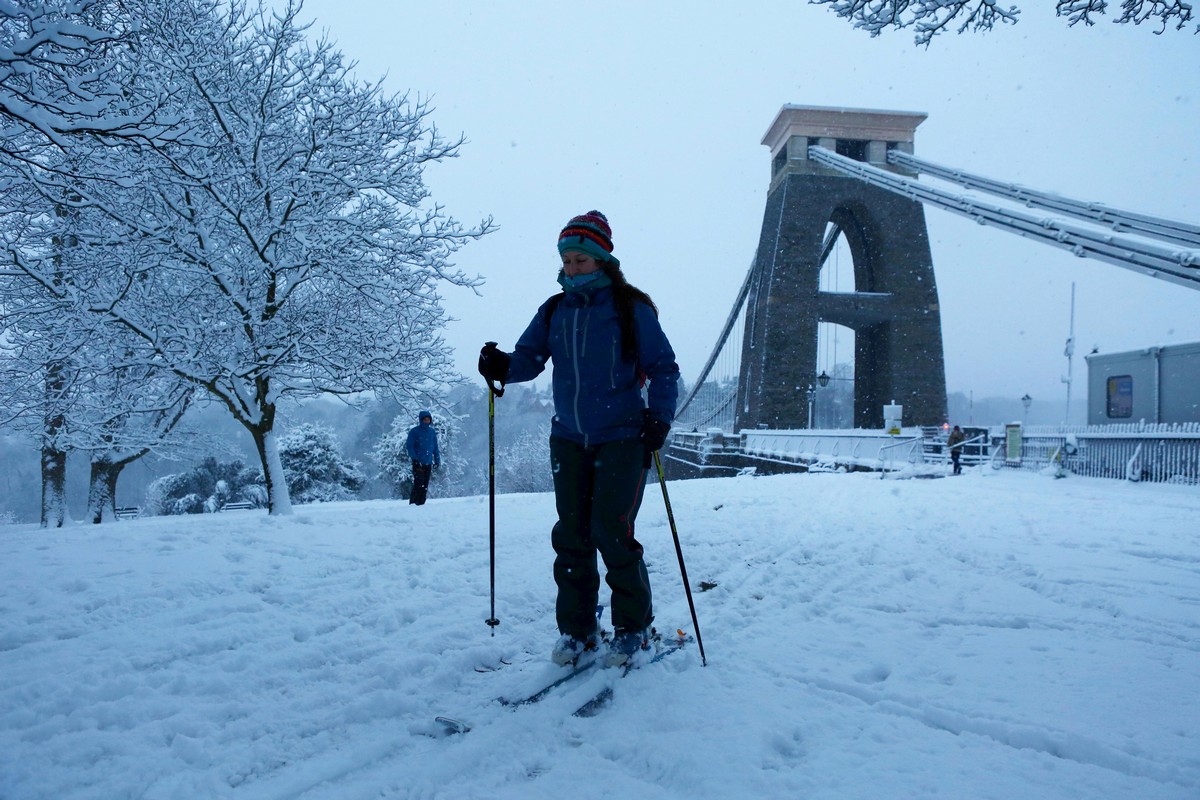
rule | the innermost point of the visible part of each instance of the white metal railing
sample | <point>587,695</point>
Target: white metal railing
<point>1164,453</point>
<point>971,451</point>
<point>889,465</point>
<point>830,448</point>
<point>1133,429</point>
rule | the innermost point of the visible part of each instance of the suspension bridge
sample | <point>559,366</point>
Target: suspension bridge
<point>843,260</point>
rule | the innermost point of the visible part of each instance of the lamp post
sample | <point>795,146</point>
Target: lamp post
<point>1026,401</point>
<point>822,381</point>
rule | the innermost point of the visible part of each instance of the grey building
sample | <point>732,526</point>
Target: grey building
<point>1154,384</point>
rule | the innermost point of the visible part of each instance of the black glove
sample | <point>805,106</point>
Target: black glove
<point>654,432</point>
<point>493,363</point>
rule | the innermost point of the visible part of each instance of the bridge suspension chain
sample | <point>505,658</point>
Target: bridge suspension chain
<point>704,403</point>
<point>1130,221</point>
<point>1178,265</point>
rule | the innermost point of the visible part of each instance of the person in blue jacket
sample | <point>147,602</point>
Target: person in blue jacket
<point>422,446</point>
<point>607,346</point>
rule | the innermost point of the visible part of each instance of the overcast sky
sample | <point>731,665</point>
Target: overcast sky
<point>654,114</point>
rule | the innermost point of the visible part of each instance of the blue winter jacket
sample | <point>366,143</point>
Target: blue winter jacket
<point>422,444</point>
<point>597,393</point>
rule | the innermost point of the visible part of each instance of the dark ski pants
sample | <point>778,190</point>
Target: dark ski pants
<point>598,491</point>
<point>421,474</point>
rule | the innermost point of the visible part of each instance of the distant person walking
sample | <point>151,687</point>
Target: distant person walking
<point>954,442</point>
<point>422,446</point>
<point>606,344</point>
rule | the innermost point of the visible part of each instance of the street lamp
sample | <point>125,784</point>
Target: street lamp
<point>1026,401</point>
<point>822,381</point>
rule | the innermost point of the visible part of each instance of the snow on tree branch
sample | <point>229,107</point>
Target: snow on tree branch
<point>1139,11</point>
<point>928,18</point>
<point>70,67</point>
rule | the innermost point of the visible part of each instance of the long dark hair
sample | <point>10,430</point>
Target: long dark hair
<point>625,295</point>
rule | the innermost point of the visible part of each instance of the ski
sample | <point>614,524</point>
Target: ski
<point>452,725</point>
<point>586,663</point>
<point>605,695</point>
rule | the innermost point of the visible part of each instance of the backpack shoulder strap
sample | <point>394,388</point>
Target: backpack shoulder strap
<point>552,304</point>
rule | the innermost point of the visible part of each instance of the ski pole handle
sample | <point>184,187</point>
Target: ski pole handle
<point>497,391</point>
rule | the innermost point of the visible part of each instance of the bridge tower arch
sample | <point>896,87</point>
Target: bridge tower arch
<point>893,309</point>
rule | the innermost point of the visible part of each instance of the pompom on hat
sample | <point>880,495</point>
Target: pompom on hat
<point>588,233</point>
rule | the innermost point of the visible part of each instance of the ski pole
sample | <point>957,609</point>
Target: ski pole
<point>662,481</point>
<point>493,392</point>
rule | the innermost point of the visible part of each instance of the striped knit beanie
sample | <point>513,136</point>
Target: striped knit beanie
<point>588,233</point>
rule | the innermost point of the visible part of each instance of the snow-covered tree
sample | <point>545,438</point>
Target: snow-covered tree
<point>36,385</point>
<point>314,467</point>
<point>289,247</point>
<point>70,67</point>
<point>524,465</point>
<point>138,412</point>
<point>76,394</point>
<point>67,382</point>
<point>38,362</point>
<point>71,79</point>
<point>928,18</point>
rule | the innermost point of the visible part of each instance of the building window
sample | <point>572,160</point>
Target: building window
<point>852,148</point>
<point>780,162</point>
<point>1119,394</point>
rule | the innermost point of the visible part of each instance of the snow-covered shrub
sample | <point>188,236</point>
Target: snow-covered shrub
<point>188,504</point>
<point>162,493</point>
<point>255,494</point>
<point>390,455</point>
<point>215,483</point>
<point>524,466</point>
<point>314,467</point>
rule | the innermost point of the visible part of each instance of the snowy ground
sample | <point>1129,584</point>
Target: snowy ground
<point>997,635</point>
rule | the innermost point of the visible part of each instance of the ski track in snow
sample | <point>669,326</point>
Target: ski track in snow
<point>992,636</point>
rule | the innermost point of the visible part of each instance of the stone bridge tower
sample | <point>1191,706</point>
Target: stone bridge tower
<point>893,308</point>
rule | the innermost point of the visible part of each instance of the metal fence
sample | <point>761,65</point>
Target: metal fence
<point>1160,453</point>
<point>1163,453</point>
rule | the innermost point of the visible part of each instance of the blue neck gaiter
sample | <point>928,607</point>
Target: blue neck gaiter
<point>580,283</point>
